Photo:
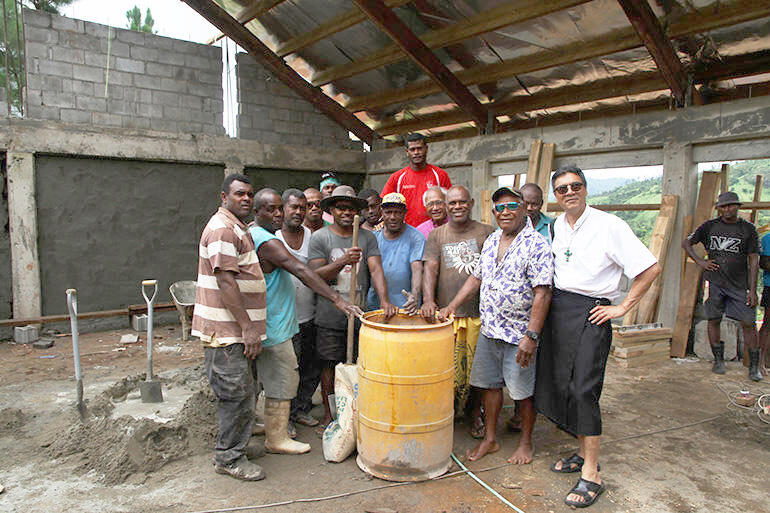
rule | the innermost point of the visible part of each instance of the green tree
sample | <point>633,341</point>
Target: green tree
<point>12,59</point>
<point>134,17</point>
<point>51,6</point>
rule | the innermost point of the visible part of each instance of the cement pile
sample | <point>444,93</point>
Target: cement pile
<point>116,448</point>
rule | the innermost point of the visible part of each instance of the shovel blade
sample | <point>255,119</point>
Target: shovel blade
<point>151,391</point>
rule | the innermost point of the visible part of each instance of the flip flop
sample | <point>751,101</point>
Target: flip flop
<point>566,465</point>
<point>584,489</point>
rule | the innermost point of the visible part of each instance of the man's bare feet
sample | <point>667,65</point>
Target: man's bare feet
<point>523,454</point>
<point>481,450</point>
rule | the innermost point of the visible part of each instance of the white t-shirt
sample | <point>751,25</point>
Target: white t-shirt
<point>304,297</point>
<point>591,257</point>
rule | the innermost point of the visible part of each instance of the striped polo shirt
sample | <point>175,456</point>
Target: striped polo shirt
<point>227,246</point>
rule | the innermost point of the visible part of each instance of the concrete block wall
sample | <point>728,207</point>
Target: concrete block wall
<point>153,82</point>
<point>271,112</point>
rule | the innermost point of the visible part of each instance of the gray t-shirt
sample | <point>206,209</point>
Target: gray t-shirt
<point>329,246</point>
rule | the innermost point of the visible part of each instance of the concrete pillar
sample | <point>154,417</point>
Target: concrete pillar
<point>680,177</point>
<point>479,181</point>
<point>22,223</point>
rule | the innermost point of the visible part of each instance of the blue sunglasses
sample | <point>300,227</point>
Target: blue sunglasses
<point>511,205</point>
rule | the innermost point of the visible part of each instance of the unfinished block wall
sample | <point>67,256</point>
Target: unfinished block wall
<point>153,82</point>
<point>271,112</point>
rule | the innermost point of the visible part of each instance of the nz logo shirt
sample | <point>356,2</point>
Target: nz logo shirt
<point>728,245</point>
<point>722,243</point>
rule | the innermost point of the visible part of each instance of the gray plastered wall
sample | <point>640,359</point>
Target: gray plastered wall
<point>105,225</point>
<point>152,82</point>
<point>271,112</point>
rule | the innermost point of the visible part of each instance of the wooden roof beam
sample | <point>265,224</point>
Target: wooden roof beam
<point>646,24</point>
<point>709,18</point>
<point>410,44</point>
<point>275,65</point>
<point>568,95</point>
<point>643,82</point>
<point>740,92</point>
<point>428,14</point>
<point>331,27</point>
<point>248,13</point>
<point>511,12</point>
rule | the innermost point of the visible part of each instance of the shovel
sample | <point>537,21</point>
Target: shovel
<point>72,306</point>
<point>150,389</point>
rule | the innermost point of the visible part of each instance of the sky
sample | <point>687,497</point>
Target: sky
<point>173,18</point>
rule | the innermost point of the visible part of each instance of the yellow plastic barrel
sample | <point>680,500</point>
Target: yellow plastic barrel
<point>405,397</point>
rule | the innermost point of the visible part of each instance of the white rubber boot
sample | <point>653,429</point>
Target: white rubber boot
<point>276,423</point>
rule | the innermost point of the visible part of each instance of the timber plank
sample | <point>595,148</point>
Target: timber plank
<point>659,243</point>
<point>640,361</point>
<point>544,175</point>
<point>533,165</point>
<point>709,188</point>
<point>656,347</point>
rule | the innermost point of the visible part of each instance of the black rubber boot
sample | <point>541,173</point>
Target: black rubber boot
<point>719,358</point>
<point>754,373</point>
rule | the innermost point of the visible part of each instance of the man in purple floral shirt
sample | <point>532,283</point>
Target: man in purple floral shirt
<point>514,276</point>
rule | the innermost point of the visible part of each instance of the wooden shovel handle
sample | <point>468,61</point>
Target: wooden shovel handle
<point>353,284</point>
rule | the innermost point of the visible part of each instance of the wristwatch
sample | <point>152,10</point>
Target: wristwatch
<point>534,335</point>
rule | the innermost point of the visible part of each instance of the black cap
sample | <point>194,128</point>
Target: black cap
<point>502,191</point>
<point>728,198</point>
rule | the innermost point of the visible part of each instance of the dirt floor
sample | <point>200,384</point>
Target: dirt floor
<point>671,444</point>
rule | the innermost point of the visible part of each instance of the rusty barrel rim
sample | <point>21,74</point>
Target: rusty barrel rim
<point>403,327</point>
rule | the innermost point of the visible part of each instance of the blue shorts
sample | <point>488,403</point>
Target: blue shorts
<point>494,366</point>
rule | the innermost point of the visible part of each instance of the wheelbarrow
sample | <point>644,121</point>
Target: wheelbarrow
<point>183,294</point>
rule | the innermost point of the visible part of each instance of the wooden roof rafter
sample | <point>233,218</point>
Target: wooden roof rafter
<point>514,11</point>
<point>329,28</point>
<point>650,31</point>
<point>256,9</point>
<point>717,16</point>
<point>221,19</point>
<point>743,91</point>
<point>410,44</point>
<point>636,83</point>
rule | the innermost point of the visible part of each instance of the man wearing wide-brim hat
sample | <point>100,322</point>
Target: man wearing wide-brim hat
<point>332,256</point>
<point>731,271</point>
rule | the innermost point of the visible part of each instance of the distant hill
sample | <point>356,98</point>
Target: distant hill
<point>649,191</point>
<point>600,186</point>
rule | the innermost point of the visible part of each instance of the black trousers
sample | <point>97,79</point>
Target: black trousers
<point>571,360</point>
<point>309,367</point>
<point>230,377</point>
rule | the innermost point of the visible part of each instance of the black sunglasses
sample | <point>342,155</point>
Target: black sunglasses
<point>575,186</point>
<point>511,205</point>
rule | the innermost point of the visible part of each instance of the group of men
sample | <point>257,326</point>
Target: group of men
<point>530,302</point>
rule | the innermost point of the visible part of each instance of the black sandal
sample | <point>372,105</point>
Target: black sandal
<point>584,489</point>
<point>566,465</point>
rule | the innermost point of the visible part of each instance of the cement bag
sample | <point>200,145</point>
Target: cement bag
<point>339,440</point>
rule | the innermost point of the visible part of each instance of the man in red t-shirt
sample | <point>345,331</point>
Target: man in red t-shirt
<point>416,178</point>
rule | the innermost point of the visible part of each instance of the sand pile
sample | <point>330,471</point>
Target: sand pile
<point>11,419</point>
<point>118,448</point>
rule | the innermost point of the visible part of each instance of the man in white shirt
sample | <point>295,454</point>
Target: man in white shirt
<point>296,237</point>
<point>592,250</point>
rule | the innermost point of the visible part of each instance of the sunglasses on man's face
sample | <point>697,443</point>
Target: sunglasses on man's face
<point>511,205</point>
<point>562,189</point>
<point>311,204</point>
